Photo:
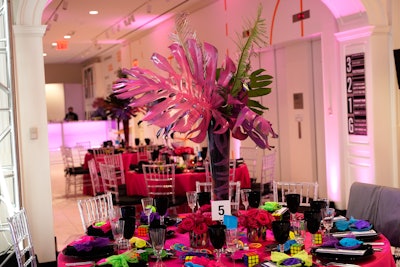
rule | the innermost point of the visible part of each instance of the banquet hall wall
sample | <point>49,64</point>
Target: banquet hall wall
<point>372,158</point>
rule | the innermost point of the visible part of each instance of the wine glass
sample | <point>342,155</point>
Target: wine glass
<point>281,229</point>
<point>191,199</point>
<point>147,204</point>
<point>318,204</point>
<point>244,195</point>
<point>299,230</point>
<point>161,204</point>
<point>157,237</point>
<point>327,215</point>
<point>203,198</point>
<point>293,203</point>
<point>217,237</point>
<point>313,222</point>
<point>231,242</point>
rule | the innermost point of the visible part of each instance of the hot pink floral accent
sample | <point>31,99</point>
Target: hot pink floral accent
<point>179,151</point>
<point>197,222</point>
<point>256,218</point>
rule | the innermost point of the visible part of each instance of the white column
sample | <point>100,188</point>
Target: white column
<point>31,117</point>
<point>370,158</point>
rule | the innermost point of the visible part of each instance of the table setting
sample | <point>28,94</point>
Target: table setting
<point>256,236</point>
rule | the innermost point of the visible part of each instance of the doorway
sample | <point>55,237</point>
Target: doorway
<point>296,111</point>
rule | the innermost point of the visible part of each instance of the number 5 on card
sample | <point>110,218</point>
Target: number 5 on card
<point>219,208</point>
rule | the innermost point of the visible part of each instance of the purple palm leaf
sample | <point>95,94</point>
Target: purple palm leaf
<point>186,102</point>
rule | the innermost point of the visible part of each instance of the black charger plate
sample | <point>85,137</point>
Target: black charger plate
<point>369,252</point>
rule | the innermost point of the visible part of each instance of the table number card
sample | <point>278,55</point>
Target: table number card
<point>219,208</point>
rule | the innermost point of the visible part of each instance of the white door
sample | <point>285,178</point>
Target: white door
<point>296,111</point>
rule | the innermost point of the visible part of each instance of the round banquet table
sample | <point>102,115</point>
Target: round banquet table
<point>186,181</point>
<point>382,258</point>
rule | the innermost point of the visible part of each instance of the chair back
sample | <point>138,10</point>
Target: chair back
<point>160,180</point>
<point>203,186</point>
<point>22,240</point>
<point>234,194</point>
<point>94,177</point>
<point>232,169</point>
<point>100,152</point>
<point>143,153</point>
<point>95,209</point>
<point>117,162</point>
<point>109,179</point>
<point>207,167</point>
<point>68,159</point>
<point>82,148</point>
<point>267,171</point>
<point>307,191</point>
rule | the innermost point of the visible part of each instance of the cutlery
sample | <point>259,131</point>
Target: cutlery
<point>374,243</point>
<point>80,263</point>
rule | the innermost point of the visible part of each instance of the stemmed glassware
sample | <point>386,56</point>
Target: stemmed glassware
<point>147,204</point>
<point>244,195</point>
<point>328,214</point>
<point>157,237</point>
<point>161,204</point>
<point>313,222</point>
<point>293,203</point>
<point>191,199</point>
<point>281,229</point>
<point>254,199</point>
<point>231,242</point>
<point>217,237</point>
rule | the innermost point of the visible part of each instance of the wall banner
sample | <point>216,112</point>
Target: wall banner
<point>356,101</point>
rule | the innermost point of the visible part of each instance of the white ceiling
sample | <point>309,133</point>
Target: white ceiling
<point>117,21</point>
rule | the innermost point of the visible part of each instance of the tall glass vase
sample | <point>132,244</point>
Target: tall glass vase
<point>218,147</point>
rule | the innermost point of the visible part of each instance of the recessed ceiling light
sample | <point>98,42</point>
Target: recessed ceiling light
<point>67,36</point>
<point>44,54</point>
<point>93,12</point>
<point>54,44</point>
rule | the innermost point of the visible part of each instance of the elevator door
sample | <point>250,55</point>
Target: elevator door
<point>296,110</point>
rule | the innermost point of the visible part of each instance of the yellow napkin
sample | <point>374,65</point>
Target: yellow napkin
<point>138,242</point>
<point>302,255</point>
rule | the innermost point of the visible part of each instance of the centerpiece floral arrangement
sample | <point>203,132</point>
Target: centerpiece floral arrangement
<point>197,222</point>
<point>256,221</point>
<point>256,218</point>
<point>200,93</point>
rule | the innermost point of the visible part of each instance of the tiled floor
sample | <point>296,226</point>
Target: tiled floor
<point>67,222</point>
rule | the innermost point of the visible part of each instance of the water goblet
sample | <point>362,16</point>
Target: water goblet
<point>191,199</point>
<point>147,204</point>
<point>244,195</point>
<point>161,204</point>
<point>203,198</point>
<point>217,237</point>
<point>157,237</point>
<point>293,203</point>
<point>254,199</point>
<point>328,214</point>
<point>137,141</point>
<point>318,204</point>
<point>299,230</point>
<point>313,222</point>
<point>281,229</point>
<point>231,242</point>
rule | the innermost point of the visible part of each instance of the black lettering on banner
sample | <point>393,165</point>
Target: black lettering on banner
<point>356,98</point>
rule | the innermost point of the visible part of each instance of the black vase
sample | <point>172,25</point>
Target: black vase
<point>218,148</point>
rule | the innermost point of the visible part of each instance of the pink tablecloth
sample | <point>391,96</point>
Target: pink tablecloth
<point>136,184</point>
<point>382,258</point>
<point>127,159</point>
